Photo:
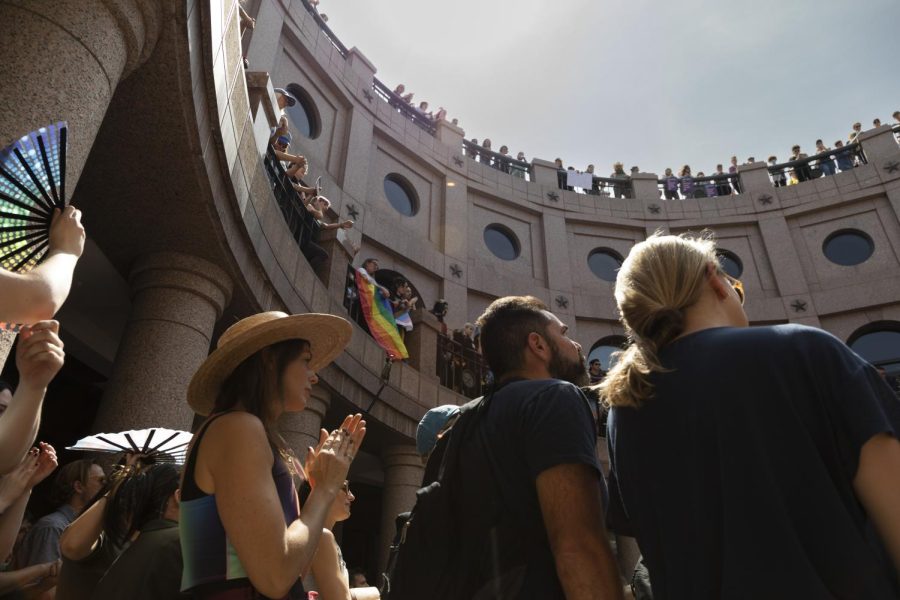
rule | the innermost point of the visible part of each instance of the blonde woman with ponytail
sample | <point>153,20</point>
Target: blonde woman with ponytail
<point>751,462</point>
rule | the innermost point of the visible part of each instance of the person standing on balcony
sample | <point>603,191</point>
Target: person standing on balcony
<point>519,170</point>
<point>778,178</point>
<point>620,190</point>
<point>843,156</point>
<point>722,187</point>
<point>670,185</point>
<point>485,154</point>
<point>504,162</point>
<point>801,171</point>
<point>826,164</point>
<point>733,171</point>
<point>472,150</point>
<point>686,181</point>
<point>561,175</point>
<point>853,138</point>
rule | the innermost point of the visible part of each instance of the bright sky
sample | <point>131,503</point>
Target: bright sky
<point>651,83</point>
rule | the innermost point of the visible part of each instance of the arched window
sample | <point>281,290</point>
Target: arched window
<point>879,344</point>
<point>303,115</point>
<point>401,194</point>
<point>604,348</point>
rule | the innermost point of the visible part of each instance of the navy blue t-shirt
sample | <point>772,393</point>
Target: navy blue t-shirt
<point>531,426</point>
<point>737,475</point>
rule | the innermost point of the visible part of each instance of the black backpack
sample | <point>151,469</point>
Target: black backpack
<point>457,544</point>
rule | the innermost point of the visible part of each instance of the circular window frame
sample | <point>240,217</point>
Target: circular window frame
<point>509,234</point>
<point>848,231</point>
<point>309,107</point>
<point>407,187</point>
<point>609,252</point>
<point>723,253</point>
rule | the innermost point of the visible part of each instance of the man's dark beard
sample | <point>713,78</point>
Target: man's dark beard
<point>571,371</point>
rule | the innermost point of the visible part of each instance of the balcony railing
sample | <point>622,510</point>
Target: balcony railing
<point>501,162</point>
<point>843,159</point>
<point>708,186</point>
<point>461,369</point>
<point>326,29</point>
<point>403,107</point>
<point>300,221</point>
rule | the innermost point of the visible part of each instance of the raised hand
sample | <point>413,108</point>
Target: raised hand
<point>328,463</point>
<point>16,482</point>
<point>66,232</point>
<point>46,464</point>
<point>39,355</point>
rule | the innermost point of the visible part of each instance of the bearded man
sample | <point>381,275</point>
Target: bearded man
<point>539,435</point>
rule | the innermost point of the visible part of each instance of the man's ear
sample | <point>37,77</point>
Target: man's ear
<point>78,487</point>
<point>538,345</point>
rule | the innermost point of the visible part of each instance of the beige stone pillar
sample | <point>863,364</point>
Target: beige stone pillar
<point>422,341</point>
<point>755,178</point>
<point>301,430</point>
<point>176,301</point>
<point>880,145</point>
<point>645,186</point>
<point>62,61</point>
<point>545,173</point>
<point>403,472</point>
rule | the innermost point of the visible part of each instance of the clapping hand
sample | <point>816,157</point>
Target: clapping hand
<point>327,464</point>
<point>17,482</point>
<point>66,232</point>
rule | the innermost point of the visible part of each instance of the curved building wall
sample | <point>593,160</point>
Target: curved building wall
<point>777,233</point>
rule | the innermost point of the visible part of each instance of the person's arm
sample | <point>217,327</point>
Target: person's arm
<point>38,294</point>
<point>327,570</point>
<point>880,494</point>
<point>294,158</point>
<point>366,593</point>
<point>15,490</point>
<point>81,536</point>
<point>273,555</point>
<point>39,357</point>
<point>22,579</point>
<point>569,496</point>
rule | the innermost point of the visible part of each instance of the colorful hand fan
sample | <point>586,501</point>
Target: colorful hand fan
<point>32,185</point>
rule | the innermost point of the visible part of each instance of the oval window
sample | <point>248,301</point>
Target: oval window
<point>502,242</point>
<point>401,195</point>
<point>848,247</point>
<point>605,263</point>
<point>730,262</point>
<point>303,115</point>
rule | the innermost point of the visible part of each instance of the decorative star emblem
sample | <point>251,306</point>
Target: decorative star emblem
<point>892,166</point>
<point>798,306</point>
<point>654,208</point>
<point>352,211</point>
<point>562,301</point>
<point>455,270</point>
<point>458,161</point>
<point>765,199</point>
<point>368,95</point>
<point>553,196</point>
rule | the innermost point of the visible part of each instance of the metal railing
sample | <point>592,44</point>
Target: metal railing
<point>460,368</point>
<point>708,186</point>
<point>819,165</point>
<point>300,221</point>
<point>403,107</point>
<point>326,29</point>
<point>495,160</point>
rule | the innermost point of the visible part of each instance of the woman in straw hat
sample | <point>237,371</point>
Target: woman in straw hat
<point>752,462</point>
<point>242,533</point>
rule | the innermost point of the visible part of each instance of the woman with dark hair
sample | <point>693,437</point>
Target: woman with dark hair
<point>242,531</point>
<point>136,493</point>
<point>150,568</point>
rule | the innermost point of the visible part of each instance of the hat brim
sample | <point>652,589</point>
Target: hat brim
<point>326,334</point>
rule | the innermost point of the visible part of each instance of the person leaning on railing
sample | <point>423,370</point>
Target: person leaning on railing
<point>314,253</point>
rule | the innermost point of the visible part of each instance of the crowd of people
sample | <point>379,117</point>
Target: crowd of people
<point>401,98</point>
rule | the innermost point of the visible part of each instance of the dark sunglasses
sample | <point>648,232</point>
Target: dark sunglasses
<point>737,285</point>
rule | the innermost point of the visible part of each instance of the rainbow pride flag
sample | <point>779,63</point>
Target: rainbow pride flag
<point>380,317</point>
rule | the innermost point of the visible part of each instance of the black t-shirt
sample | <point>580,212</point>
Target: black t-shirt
<point>737,475</point>
<point>531,426</point>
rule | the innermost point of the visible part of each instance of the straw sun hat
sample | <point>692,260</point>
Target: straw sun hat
<point>327,336</point>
